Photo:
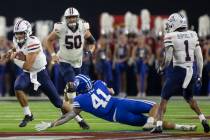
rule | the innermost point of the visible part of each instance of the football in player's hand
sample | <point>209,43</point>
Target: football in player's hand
<point>20,56</point>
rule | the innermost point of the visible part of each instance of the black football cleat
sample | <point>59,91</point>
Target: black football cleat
<point>26,120</point>
<point>84,125</point>
<point>205,126</point>
<point>157,129</point>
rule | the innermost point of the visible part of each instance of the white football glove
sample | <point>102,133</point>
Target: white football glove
<point>42,126</point>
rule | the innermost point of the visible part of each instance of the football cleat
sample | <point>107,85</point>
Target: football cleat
<point>26,120</point>
<point>157,129</point>
<point>148,126</point>
<point>205,126</point>
<point>84,125</point>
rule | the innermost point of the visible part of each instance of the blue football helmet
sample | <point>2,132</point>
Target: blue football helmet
<point>83,84</point>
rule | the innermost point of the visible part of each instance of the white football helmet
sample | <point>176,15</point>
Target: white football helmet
<point>71,12</point>
<point>176,21</point>
<point>22,26</point>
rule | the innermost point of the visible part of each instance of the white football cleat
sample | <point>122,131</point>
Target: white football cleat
<point>148,126</point>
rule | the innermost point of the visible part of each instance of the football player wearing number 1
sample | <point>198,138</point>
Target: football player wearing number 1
<point>96,98</point>
<point>71,35</point>
<point>182,45</point>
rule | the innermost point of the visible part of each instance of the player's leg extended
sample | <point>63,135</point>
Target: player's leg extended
<point>150,124</point>
<point>166,125</point>
<point>130,111</point>
<point>182,127</point>
<point>188,95</point>
<point>21,83</point>
<point>68,72</point>
<point>169,87</point>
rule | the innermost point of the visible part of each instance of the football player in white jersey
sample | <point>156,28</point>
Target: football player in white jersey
<point>71,36</point>
<point>29,56</point>
<point>182,45</point>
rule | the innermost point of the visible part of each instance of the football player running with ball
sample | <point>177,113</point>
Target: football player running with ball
<point>71,35</point>
<point>29,56</point>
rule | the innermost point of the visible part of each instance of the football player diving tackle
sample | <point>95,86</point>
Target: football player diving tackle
<point>96,98</point>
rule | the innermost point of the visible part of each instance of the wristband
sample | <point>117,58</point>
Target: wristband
<point>53,54</point>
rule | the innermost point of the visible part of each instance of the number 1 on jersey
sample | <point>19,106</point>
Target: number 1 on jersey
<point>187,58</point>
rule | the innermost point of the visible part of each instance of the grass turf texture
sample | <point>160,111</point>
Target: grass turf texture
<point>11,114</point>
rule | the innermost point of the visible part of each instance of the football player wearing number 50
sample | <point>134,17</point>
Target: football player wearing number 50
<point>71,35</point>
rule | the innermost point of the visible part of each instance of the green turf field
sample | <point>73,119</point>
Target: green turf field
<point>11,114</point>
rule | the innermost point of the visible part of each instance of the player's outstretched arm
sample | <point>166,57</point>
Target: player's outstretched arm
<point>62,120</point>
<point>167,57</point>
<point>199,60</point>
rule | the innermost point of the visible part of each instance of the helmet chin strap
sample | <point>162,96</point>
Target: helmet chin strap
<point>72,26</point>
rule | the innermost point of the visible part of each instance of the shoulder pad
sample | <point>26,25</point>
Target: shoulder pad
<point>84,24</point>
<point>32,40</point>
<point>194,33</point>
<point>168,40</point>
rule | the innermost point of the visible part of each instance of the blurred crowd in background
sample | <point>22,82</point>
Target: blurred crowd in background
<point>128,49</point>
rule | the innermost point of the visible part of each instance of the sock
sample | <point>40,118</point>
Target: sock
<point>160,123</point>
<point>26,110</point>
<point>150,120</point>
<point>178,126</point>
<point>201,117</point>
<point>78,118</point>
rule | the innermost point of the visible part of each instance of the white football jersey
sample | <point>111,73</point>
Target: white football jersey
<point>184,44</point>
<point>33,44</point>
<point>71,43</point>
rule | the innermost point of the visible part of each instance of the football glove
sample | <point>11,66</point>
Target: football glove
<point>198,83</point>
<point>42,126</point>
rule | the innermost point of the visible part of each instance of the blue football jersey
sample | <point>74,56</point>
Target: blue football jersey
<point>98,101</point>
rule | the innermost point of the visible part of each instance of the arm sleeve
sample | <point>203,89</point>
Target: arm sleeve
<point>168,56</point>
<point>76,104</point>
<point>168,50</point>
<point>199,60</point>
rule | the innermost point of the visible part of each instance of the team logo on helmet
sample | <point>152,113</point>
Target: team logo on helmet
<point>83,84</point>
<point>71,16</point>
<point>176,21</point>
<point>22,26</point>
